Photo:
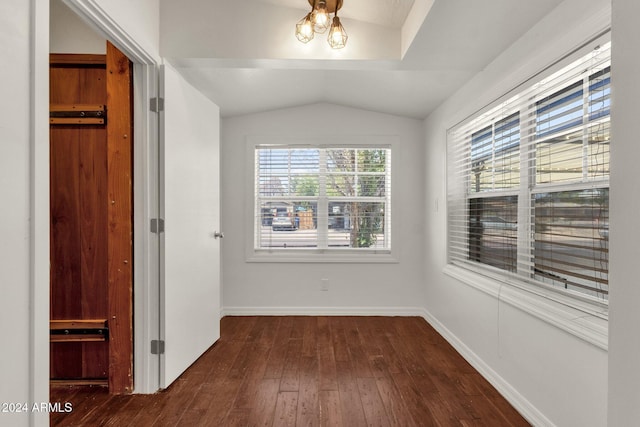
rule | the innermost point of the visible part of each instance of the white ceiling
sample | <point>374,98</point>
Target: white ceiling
<point>246,66</point>
<point>388,13</point>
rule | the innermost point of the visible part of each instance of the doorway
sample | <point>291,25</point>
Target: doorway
<point>157,255</point>
<point>78,26</point>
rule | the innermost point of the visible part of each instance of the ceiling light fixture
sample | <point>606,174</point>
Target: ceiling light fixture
<point>317,21</point>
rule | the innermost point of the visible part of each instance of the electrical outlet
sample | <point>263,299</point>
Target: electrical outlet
<point>324,284</point>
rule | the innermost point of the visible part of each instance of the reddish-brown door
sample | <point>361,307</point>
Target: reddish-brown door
<point>91,220</point>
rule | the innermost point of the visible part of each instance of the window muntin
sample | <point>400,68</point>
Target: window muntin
<point>528,182</point>
<point>323,198</point>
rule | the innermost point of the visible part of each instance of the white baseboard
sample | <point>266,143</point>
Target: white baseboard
<point>519,402</point>
<point>323,311</point>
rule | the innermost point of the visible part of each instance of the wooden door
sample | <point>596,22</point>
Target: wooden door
<point>91,220</point>
<point>191,204</point>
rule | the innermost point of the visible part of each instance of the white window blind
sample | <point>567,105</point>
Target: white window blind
<point>322,198</point>
<point>528,182</point>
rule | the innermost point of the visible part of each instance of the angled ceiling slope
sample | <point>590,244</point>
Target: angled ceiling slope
<point>403,57</point>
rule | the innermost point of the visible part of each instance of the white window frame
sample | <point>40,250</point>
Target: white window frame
<point>320,255</point>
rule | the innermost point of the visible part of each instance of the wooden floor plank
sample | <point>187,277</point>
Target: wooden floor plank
<point>251,381</point>
<point>263,410</point>
<point>309,341</point>
<point>84,400</point>
<point>173,402</point>
<point>308,407</point>
<point>357,355</point>
<point>290,380</point>
<point>397,412</point>
<point>372,405</point>
<point>309,371</point>
<point>326,367</point>
<point>220,405</point>
<point>419,402</point>
<point>278,353</point>
<point>72,395</point>
<point>286,409</point>
<point>338,339</point>
<point>237,418</point>
<point>139,411</point>
<point>90,401</point>
<point>350,402</point>
<point>330,414</point>
<point>238,328</point>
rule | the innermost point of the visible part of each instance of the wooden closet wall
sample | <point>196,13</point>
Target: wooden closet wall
<point>91,220</point>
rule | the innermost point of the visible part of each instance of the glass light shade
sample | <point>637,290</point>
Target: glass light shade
<point>320,18</point>
<point>304,29</point>
<point>337,35</point>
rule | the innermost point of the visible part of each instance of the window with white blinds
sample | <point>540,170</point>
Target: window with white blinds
<point>322,198</point>
<point>528,183</point>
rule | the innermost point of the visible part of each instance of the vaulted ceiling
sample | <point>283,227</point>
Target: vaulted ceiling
<point>403,57</point>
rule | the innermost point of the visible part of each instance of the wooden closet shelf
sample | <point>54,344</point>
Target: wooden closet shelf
<point>87,114</point>
<point>78,330</point>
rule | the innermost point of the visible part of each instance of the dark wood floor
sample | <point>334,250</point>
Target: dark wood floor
<point>309,371</point>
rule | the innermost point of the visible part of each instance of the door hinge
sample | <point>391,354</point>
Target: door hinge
<point>157,347</point>
<point>157,225</point>
<point>156,104</point>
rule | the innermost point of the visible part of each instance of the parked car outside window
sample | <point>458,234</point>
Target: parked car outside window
<point>283,222</point>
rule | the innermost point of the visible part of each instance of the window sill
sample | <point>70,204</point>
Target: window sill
<point>588,322</point>
<point>319,256</point>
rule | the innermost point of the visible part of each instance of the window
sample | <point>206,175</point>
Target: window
<point>528,183</point>
<point>323,198</point>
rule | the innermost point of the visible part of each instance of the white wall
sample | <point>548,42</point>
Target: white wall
<point>295,288</point>
<point>24,274</point>
<point>139,19</point>
<point>552,376</point>
<point>624,318</point>
<point>14,181</point>
<point>70,34</point>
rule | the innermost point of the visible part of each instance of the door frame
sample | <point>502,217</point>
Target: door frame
<point>146,245</point>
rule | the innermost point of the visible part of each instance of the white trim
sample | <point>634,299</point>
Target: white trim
<point>323,311</point>
<point>519,402</point>
<point>146,245</point>
<point>581,323</point>
<point>322,256</point>
<point>146,183</point>
<point>39,211</point>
